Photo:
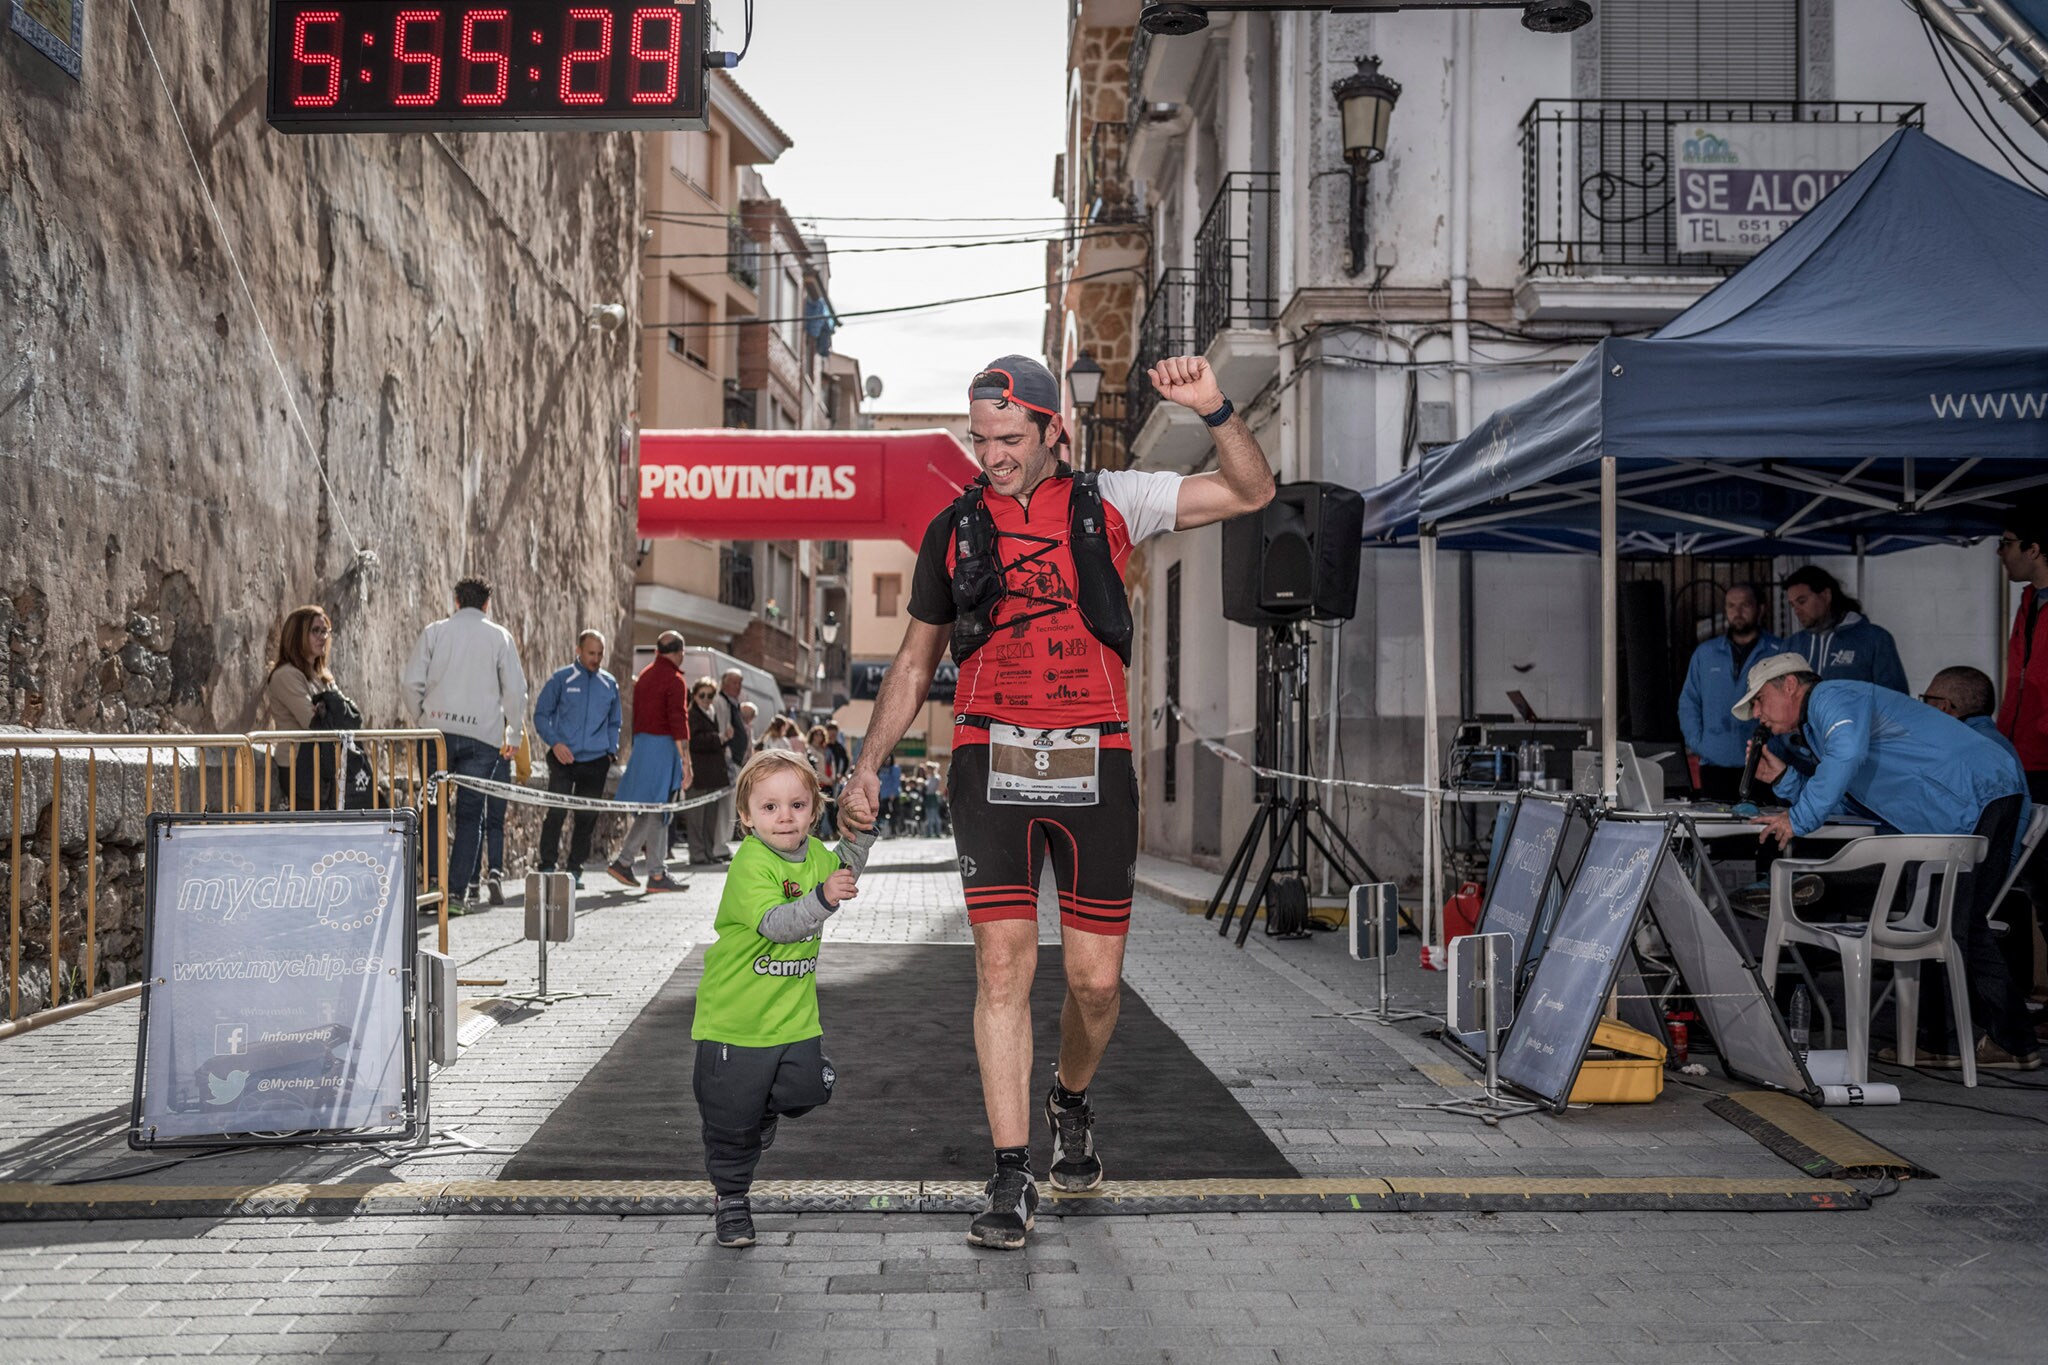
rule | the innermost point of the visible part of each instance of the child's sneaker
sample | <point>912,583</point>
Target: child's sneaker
<point>735,1221</point>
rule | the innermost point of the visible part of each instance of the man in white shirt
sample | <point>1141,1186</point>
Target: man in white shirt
<point>464,680</point>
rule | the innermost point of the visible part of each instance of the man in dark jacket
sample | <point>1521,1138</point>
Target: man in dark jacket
<point>578,719</point>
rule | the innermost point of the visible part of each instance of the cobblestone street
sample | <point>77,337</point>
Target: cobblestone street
<point>1947,1268</point>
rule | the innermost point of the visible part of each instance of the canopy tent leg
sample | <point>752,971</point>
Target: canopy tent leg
<point>1432,851</point>
<point>1609,765</point>
<point>1861,586</point>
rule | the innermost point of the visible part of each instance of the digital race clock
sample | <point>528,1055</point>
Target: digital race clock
<point>383,66</point>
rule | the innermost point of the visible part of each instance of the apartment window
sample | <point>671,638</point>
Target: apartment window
<point>1172,680</point>
<point>1699,49</point>
<point>888,593</point>
<point>691,156</point>
<point>689,318</point>
<point>789,311</point>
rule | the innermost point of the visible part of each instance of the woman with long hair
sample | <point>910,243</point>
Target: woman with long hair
<point>300,679</point>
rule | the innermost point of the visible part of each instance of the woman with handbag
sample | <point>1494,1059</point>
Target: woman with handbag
<point>300,694</point>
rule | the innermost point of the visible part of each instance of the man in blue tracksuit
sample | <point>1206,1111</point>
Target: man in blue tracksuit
<point>578,718</point>
<point>1919,772</point>
<point>1836,638</point>
<point>1713,681</point>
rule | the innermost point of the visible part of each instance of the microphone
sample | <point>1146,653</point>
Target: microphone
<point>1743,805</point>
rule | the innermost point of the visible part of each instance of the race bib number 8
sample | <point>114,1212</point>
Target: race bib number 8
<point>1043,767</point>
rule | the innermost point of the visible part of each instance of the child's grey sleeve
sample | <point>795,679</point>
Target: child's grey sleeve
<point>799,919</point>
<point>853,850</point>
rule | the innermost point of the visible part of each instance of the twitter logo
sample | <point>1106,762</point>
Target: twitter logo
<point>225,1089</point>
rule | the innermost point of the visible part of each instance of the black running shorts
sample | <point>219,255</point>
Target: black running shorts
<point>1003,848</point>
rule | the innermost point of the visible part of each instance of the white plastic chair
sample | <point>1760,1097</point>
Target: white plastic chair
<point>2030,839</point>
<point>1921,933</point>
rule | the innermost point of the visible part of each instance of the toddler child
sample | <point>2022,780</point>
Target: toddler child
<point>760,1048</point>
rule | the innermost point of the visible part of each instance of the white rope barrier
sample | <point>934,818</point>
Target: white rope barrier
<point>532,796</point>
<point>1230,755</point>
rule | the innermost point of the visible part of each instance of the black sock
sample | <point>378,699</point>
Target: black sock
<point>1063,1097</point>
<point>1013,1156</point>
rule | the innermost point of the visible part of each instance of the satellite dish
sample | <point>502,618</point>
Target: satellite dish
<point>873,388</point>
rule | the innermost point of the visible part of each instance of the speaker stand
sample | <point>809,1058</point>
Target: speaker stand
<point>1292,822</point>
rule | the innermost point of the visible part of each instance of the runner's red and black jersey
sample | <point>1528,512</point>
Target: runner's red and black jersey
<point>1042,667</point>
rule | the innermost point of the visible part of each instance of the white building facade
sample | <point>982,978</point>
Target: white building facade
<point>1521,212</point>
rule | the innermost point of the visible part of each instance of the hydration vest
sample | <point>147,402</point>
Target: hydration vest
<point>978,571</point>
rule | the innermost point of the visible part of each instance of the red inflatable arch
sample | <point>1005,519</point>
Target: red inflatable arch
<point>798,485</point>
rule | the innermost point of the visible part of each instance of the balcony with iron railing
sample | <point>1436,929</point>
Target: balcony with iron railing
<point>1105,180</point>
<point>1162,435</point>
<point>1234,284</point>
<point>1599,190</point>
<point>736,576</point>
<point>742,254</point>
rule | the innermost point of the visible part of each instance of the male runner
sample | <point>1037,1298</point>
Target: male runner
<point>1026,585</point>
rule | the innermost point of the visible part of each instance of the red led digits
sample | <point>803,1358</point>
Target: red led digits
<point>656,69</point>
<point>416,71</point>
<point>305,60</point>
<point>597,60</point>
<point>486,72</point>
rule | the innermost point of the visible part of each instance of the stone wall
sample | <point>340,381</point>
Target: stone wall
<point>427,297</point>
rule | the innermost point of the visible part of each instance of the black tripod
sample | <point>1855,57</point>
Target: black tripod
<point>1293,821</point>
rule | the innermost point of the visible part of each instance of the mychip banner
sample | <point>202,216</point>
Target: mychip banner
<point>279,961</point>
<point>1740,185</point>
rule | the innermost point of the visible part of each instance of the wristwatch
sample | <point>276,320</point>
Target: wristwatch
<point>1220,416</point>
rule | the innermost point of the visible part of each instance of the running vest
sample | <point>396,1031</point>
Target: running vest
<point>979,581</point>
<point>1042,631</point>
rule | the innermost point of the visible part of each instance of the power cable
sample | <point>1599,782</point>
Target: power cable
<point>881,312</point>
<point>835,252</point>
<point>709,216</point>
<point>1999,140</point>
<point>664,216</point>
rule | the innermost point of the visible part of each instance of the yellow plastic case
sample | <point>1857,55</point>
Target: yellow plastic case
<point>1634,1078</point>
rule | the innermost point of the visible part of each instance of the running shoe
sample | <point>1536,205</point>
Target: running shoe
<point>661,881</point>
<point>1074,1165</point>
<point>622,874</point>
<point>735,1221</point>
<point>1011,1212</point>
<point>494,884</point>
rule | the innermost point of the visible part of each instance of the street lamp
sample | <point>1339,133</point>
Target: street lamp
<point>828,628</point>
<point>1084,382</point>
<point>1365,100</point>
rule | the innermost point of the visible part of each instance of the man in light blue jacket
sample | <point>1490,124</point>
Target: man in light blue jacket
<point>578,719</point>
<point>1919,772</point>
<point>1713,681</point>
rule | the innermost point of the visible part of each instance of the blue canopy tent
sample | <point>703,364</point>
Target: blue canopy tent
<point>1875,379</point>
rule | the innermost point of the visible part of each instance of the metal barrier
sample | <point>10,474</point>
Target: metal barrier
<point>311,770</point>
<point>149,774</point>
<point>99,828</point>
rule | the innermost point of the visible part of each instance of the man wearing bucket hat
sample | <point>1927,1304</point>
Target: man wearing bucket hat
<point>1023,578</point>
<point>1919,772</point>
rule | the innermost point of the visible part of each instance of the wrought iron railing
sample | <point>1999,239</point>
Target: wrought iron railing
<point>1167,329</point>
<point>1597,183</point>
<point>1105,431</point>
<point>736,576</point>
<point>742,254</point>
<point>1234,257</point>
<point>1141,52</point>
<point>1105,180</point>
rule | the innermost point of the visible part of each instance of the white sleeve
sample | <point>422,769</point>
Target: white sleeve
<point>1147,499</point>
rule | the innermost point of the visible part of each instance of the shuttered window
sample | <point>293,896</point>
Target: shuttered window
<point>1699,49</point>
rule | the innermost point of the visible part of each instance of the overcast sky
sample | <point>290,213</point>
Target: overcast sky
<point>930,108</point>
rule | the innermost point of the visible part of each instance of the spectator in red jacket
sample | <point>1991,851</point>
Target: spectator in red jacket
<point>2023,718</point>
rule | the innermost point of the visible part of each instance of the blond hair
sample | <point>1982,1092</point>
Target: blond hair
<point>765,763</point>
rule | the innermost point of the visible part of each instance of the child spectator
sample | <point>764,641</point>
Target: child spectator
<point>760,1047</point>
